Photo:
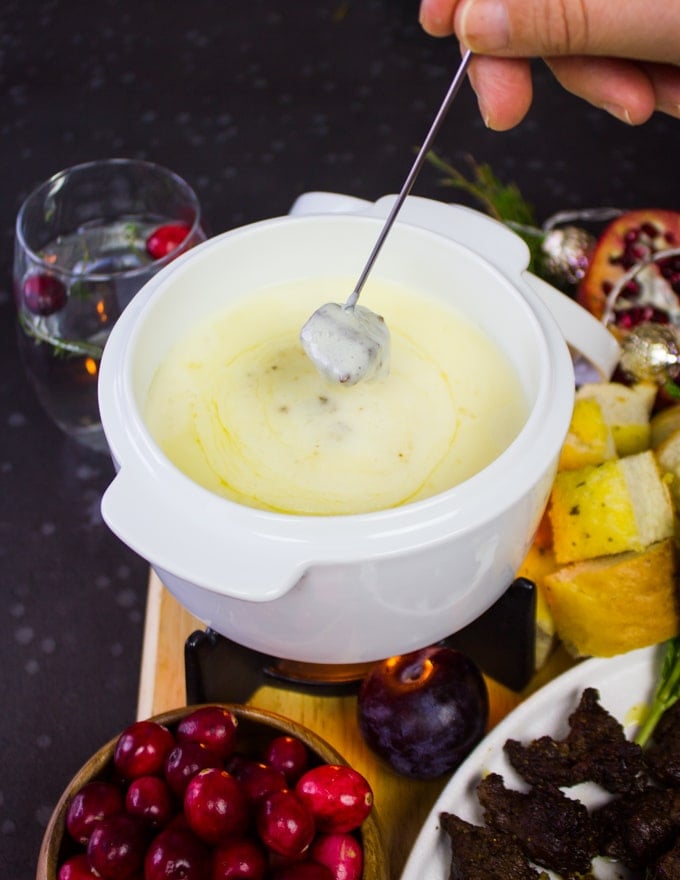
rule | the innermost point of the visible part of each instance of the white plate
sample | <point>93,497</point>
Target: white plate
<point>626,684</point>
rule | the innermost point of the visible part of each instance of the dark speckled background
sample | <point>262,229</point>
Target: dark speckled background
<point>253,103</point>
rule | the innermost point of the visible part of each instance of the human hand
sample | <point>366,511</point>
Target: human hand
<point>620,55</point>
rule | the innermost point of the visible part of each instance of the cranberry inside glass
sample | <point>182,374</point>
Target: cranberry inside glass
<point>86,241</point>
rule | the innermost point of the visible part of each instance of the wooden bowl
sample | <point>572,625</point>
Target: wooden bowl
<point>255,728</point>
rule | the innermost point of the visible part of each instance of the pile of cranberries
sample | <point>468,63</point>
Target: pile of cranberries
<point>188,804</point>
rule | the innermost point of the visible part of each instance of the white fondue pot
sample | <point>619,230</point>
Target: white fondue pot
<point>346,589</point>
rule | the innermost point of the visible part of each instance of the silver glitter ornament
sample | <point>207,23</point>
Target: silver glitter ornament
<point>566,254</point>
<point>651,353</point>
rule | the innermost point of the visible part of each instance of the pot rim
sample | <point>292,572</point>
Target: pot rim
<point>305,540</point>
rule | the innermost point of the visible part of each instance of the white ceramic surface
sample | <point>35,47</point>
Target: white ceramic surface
<point>626,684</point>
<point>347,588</point>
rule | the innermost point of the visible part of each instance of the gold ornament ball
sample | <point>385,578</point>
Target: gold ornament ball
<point>651,353</point>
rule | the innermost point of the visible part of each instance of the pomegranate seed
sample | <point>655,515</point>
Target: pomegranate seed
<point>632,289</point>
<point>649,229</point>
<point>627,319</point>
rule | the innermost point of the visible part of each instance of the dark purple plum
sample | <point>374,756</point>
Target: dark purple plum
<point>423,712</point>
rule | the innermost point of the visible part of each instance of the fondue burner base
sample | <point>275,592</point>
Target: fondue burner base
<point>501,641</point>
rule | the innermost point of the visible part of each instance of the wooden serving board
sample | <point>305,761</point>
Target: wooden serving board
<point>402,804</point>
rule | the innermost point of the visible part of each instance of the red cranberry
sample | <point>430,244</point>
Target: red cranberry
<point>77,868</point>
<point>239,859</point>
<point>338,797</point>
<point>176,855</point>
<point>150,798</point>
<point>285,823</point>
<point>142,748</point>
<point>44,294</point>
<point>95,801</point>
<point>304,871</point>
<point>116,847</point>
<point>213,726</point>
<point>215,806</point>
<point>184,762</point>
<point>287,754</point>
<point>179,822</point>
<point>166,239</point>
<point>341,852</point>
<point>257,779</point>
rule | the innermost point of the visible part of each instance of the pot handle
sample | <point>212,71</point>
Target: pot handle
<point>161,531</point>
<point>508,252</point>
<point>583,332</point>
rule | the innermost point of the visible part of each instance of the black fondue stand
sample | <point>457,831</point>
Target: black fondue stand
<point>253,103</point>
<point>501,641</point>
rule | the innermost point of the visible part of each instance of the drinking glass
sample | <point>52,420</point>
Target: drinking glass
<point>86,241</point>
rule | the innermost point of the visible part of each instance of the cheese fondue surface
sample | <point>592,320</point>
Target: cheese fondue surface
<point>240,409</point>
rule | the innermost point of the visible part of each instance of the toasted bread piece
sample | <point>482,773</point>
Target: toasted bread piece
<point>589,439</point>
<point>668,457</point>
<point>606,606</point>
<point>663,424</point>
<point>626,409</point>
<point>610,508</point>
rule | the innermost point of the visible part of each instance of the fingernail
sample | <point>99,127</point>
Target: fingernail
<point>670,109</point>
<point>481,103</point>
<point>483,25</point>
<point>621,113</point>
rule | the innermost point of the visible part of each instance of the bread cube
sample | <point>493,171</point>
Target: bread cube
<point>606,606</point>
<point>668,457</point>
<point>589,439</point>
<point>663,424</point>
<point>614,507</point>
<point>626,409</point>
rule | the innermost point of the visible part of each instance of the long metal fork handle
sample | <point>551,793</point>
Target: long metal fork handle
<point>413,173</point>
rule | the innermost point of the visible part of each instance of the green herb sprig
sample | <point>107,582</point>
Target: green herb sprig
<point>667,691</point>
<point>61,347</point>
<point>502,201</point>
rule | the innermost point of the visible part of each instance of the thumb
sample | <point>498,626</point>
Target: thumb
<point>544,28</point>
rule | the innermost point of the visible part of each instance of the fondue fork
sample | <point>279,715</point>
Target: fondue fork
<point>348,343</point>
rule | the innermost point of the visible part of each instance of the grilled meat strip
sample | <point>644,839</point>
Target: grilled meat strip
<point>595,749</point>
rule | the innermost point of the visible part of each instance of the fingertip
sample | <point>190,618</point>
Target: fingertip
<point>619,87</point>
<point>483,25</point>
<point>436,17</point>
<point>504,91</point>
